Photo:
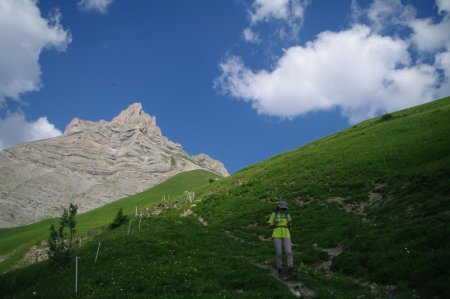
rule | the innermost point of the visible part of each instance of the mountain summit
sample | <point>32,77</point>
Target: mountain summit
<point>92,164</point>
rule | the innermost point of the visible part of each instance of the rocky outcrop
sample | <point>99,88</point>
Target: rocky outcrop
<point>210,163</point>
<point>92,164</point>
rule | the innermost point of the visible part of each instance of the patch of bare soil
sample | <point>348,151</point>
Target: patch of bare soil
<point>332,252</point>
<point>373,198</point>
<point>186,213</point>
<point>189,212</point>
<point>37,253</point>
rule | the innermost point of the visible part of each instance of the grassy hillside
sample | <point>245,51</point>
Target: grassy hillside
<point>380,189</point>
<point>370,204</point>
<point>14,242</point>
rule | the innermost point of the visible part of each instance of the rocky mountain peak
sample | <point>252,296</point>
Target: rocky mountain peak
<point>134,114</point>
<point>134,117</point>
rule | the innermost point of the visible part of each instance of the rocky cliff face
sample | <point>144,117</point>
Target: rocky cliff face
<point>92,164</point>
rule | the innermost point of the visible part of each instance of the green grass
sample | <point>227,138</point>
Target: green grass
<point>400,242</point>
<point>407,155</point>
<point>166,259</point>
<point>14,242</point>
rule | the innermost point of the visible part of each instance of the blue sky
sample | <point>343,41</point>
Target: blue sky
<point>239,80</point>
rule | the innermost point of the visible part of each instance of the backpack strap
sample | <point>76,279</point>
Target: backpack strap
<point>286,214</point>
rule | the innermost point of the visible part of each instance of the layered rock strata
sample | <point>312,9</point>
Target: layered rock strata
<point>92,164</point>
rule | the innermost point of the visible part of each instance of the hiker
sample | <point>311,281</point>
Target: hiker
<point>280,221</point>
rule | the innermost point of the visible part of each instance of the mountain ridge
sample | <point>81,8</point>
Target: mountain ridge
<point>92,164</point>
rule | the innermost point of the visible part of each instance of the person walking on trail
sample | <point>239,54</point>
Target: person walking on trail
<point>280,221</point>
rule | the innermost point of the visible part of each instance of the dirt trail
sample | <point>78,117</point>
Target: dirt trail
<point>296,287</point>
<point>189,212</point>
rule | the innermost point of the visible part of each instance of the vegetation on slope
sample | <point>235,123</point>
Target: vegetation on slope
<point>370,203</point>
<point>380,189</point>
<point>14,242</point>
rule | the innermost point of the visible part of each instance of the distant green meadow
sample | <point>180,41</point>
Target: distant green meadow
<point>14,242</point>
<point>370,208</point>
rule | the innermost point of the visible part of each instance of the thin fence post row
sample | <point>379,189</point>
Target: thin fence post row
<point>129,226</point>
<point>76,273</point>
<point>98,248</point>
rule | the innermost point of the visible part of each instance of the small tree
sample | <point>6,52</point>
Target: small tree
<point>71,222</point>
<point>118,220</point>
<point>59,248</point>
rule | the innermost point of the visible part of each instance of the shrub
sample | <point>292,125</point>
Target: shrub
<point>386,117</point>
<point>118,220</point>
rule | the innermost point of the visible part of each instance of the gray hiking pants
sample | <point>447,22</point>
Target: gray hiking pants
<point>279,242</point>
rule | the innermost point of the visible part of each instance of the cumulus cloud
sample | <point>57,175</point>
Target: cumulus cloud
<point>356,70</point>
<point>24,34</point>
<point>363,71</point>
<point>430,36</point>
<point>100,6</point>
<point>433,38</point>
<point>15,129</point>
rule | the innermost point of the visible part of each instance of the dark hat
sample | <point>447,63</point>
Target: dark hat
<point>282,204</point>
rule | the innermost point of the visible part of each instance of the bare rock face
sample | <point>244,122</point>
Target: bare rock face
<point>92,164</point>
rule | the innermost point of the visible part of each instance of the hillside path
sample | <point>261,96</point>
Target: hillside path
<point>297,288</point>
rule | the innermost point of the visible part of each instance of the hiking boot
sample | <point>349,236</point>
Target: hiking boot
<point>292,273</point>
<point>280,273</point>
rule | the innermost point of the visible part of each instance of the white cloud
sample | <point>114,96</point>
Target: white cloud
<point>356,70</point>
<point>267,9</point>
<point>443,63</point>
<point>434,38</point>
<point>250,36</point>
<point>384,14</point>
<point>23,36</point>
<point>356,11</point>
<point>443,5</point>
<point>290,12</point>
<point>431,37</point>
<point>15,129</point>
<point>100,6</point>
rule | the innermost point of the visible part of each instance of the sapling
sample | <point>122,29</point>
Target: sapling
<point>59,248</point>
<point>71,222</point>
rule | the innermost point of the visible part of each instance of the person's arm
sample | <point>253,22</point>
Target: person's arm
<point>271,222</point>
